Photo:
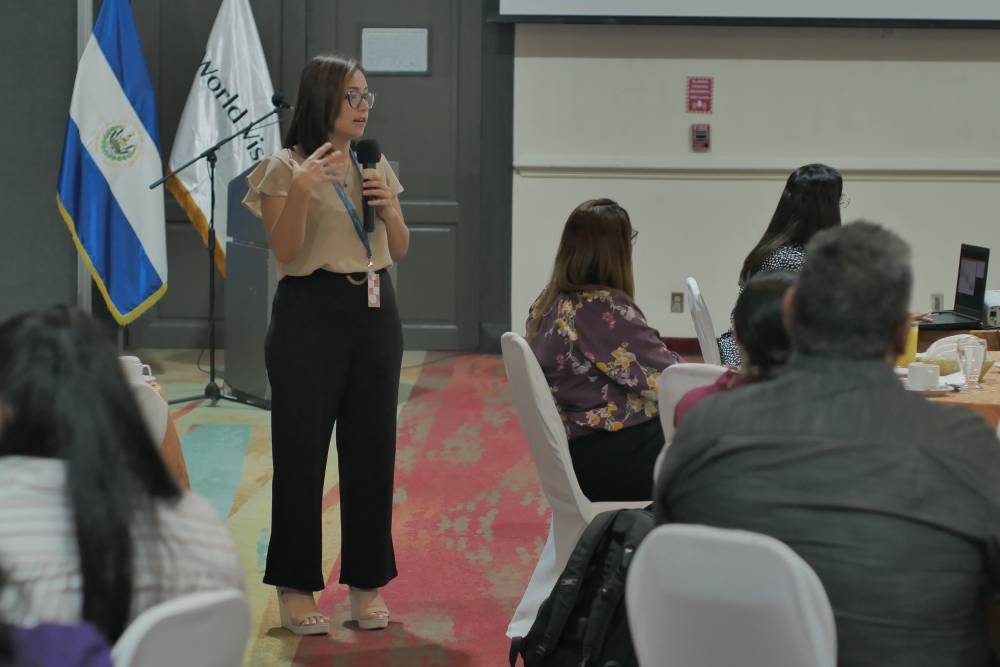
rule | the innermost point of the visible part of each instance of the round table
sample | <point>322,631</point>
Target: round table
<point>986,401</point>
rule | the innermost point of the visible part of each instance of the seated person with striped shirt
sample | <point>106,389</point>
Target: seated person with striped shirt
<point>92,526</point>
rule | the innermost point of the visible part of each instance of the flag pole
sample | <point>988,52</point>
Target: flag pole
<point>84,25</point>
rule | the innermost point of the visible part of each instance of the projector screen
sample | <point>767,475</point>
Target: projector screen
<point>936,11</point>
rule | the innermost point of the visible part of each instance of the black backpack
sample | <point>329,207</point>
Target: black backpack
<point>583,623</point>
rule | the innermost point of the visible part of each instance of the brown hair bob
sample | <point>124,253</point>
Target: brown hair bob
<point>321,88</point>
<point>595,252</point>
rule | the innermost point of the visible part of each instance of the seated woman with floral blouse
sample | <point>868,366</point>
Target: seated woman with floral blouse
<point>600,357</point>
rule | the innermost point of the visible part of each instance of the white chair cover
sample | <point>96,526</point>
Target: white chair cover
<point>571,510</point>
<point>675,381</point>
<point>702,323</point>
<point>702,597</point>
<point>206,629</point>
<point>154,409</point>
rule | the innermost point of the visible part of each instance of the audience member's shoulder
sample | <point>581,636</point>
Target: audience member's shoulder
<point>601,295</point>
<point>720,410</point>
<point>784,258</point>
<point>722,414</point>
<point>614,300</point>
<point>703,427</point>
<point>31,479</point>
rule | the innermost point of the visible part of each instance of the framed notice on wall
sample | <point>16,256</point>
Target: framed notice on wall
<point>396,50</point>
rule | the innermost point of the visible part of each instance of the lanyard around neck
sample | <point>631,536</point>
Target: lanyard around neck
<point>359,227</point>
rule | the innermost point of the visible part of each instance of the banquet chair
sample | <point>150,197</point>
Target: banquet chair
<point>675,381</point>
<point>208,629</point>
<point>547,440</point>
<point>702,323</point>
<point>154,409</point>
<point>701,597</point>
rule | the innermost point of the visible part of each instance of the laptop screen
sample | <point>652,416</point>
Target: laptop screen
<point>971,286</point>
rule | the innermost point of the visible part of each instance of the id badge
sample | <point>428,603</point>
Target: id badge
<point>374,290</point>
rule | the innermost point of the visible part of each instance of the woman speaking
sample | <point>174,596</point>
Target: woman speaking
<point>334,345</point>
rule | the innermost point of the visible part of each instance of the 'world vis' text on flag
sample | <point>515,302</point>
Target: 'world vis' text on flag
<point>231,87</point>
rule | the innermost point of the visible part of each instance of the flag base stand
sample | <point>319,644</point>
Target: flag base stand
<point>213,392</point>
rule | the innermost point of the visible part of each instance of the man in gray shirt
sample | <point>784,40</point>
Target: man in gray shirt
<point>894,501</point>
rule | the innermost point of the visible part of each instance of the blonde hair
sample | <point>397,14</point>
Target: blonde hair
<point>595,252</point>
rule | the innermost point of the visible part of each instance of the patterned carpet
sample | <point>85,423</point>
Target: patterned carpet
<point>469,520</point>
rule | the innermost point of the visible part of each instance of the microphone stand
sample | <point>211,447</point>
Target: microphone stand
<point>213,392</point>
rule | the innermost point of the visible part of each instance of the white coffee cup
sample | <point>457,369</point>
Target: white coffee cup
<point>921,377</point>
<point>134,369</point>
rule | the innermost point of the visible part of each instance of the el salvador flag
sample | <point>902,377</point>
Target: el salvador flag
<point>110,156</point>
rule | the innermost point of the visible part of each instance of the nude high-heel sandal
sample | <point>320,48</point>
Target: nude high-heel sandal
<point>368,609</point>
<point>313,623</point>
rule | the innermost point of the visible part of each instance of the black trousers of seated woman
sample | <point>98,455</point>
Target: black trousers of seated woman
<point>618,465</point>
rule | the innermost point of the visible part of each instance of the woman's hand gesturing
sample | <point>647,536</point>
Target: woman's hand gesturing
<point>323,166</point>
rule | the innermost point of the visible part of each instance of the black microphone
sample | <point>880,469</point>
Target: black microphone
<point>369,154</point>
<point>278,100</point>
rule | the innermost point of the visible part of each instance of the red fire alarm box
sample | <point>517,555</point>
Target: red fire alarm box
<point>699,94</point>
<point>701,137</point>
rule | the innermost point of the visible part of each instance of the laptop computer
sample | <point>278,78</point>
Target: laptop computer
<point>970,289</point>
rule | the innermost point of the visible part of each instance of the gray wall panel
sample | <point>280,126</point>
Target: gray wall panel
<point>497,156</point>
<point>37,257</point>
<point>432,258</point>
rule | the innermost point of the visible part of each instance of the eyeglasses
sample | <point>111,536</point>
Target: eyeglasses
<point>354,98</point>
<point>845,201</point>
<point>635,233</point>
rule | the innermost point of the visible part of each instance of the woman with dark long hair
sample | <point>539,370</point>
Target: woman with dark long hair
<point>92,525</point>
<point>600,357</point>
<point>810,202</point>
<point>334,347</point>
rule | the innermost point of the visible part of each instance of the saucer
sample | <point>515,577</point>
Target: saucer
<point>930,393</point>
<point>945,385</point>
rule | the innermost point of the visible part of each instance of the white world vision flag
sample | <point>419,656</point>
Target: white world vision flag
<point>231,88</point>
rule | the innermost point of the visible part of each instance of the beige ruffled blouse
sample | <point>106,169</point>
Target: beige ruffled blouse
<point>330,243</point>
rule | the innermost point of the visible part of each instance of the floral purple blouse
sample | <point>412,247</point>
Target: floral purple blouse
<point>602,361</point>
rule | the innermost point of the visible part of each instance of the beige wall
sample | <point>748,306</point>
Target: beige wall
<point>912,118</point>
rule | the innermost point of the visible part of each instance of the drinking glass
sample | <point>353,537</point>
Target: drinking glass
<point>910,351</point>
<point>971,355</point>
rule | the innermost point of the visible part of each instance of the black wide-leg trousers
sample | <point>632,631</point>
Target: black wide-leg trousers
<point>330,358</point>
<point>618,465</point>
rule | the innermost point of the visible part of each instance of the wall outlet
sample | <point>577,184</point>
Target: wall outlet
<point>677,302</point>
<point>937,301</point>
